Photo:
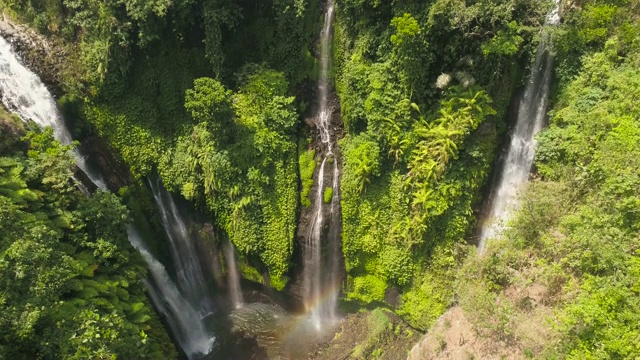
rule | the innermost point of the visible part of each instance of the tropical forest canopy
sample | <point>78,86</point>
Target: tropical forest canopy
<point>211,96</point>
<point>71,283</point>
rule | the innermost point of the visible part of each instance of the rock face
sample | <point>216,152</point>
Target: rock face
<point>38,54</point>
<point>116,174</point>
<point>453,337</point>
<point>377,334</point>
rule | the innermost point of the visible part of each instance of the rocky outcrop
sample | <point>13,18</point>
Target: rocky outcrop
<point>453,337</point>
<point>39,54</point>
<point>98,152</point>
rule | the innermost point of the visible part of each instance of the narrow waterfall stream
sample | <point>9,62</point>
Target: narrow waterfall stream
<point>515,169</point>
<point>183,318</point>
<point>233,275</point>
<point>188,305</point>
<point>321,280</point>
<point>23,93</point>
<point>186,261</point>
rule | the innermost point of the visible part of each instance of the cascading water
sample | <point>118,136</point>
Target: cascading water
<point>321,279</point>
<point>233,276</point>
<point>521,151</point>
<point>185,255</point>
<point>185,321</point>
<point>190,304</point>
<point>23,93</point>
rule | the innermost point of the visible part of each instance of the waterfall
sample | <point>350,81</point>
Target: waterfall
<point>516,167</point>
<point>233,275</point>
<point>185,321</point>
<point>184,253</point>
<point>23,93</point>
<point>321,279</point>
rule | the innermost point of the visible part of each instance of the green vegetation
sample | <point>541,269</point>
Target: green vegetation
<point>375,334</point>
<point>218,124</point>
<point>239,162</point>
<point>71,283</point>
<point>328,194</point>
<point>307,167</point>
<point>202,94</point>
<point>378,323</point>
<point>174,90</point>
<point>367,289</point>
<point>107,37</point>
<point>422,116</point>
<point>569,264</point>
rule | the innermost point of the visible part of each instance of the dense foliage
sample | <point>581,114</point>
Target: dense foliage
<point>568,267</point>
<point>110,33</point>
<point>424,89</point>
<point>200,92</point>
<point>71,283</point>
<point>172,87</point>
<point>240,160</point>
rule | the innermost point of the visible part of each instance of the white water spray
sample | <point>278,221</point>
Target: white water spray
<point>185,321</point>
<point>184,253</point>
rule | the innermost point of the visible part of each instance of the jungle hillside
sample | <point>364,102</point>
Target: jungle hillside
<point>338,160</point>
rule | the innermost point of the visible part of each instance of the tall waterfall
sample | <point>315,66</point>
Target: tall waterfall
<point>321,279</point>
<point>516,167</point>
<point>23,93</point>
<point>190,303</point>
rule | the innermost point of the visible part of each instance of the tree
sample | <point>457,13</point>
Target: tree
<point>70,282</point>
<point>209,101</point>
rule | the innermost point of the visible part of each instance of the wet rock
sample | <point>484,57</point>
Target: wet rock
<point>115,173</point>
